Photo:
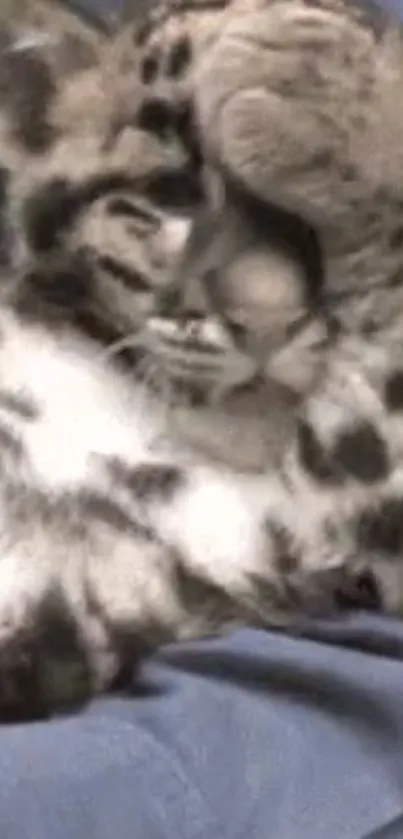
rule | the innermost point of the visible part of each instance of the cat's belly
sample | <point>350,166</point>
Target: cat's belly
<point>84,411</point>
<point>217,522</point>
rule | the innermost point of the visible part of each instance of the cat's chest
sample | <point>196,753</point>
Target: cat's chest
<point>83,412</point>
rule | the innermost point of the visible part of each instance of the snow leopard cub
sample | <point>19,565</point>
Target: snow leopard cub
<point>117,531</point>
<point>294,105</point>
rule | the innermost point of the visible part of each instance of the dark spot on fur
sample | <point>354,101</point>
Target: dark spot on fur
<point>396,239</point>
<point>381,529</point>
<point>348,171</point>
<point>395,280</point>
<point>26,91</point>
<point>18,403</point>
<point>369,327</point>
<point>56,290</point>
<point>128,277</point>
<point>4,182</point>
<point>268,597</point>
<point>93,324</point>
<point>362,453</point>
<point>10,444</point>
<point>95,505</point>
<point>285,558</point>
<point>313,457</point>
<point>179,58</point>
<point>394,391</point>
<point>65,284</point>
<point>102,184</point>
<point>57,628</point>
<point>142,32</point>
<point>201,597</point>
<point>44,666</point>
<point>6,235</point>
<point>156,116</point>
<point>359,592</point>
<point>151,481</point>
<point>52,207</point>
<point>188,133</point>
<point>176,190</point>
<point>47,211</point>
<point>149,67</point>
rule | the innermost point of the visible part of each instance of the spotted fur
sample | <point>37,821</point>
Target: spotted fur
<point>113,516</point>
<point>295,110</point>
<point>118,531</point>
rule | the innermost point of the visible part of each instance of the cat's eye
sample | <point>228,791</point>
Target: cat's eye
<point>237,330</point>
<point>143,219</point>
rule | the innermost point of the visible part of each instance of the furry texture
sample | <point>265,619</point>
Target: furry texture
<point>295,111</point>
<point>117,531</point>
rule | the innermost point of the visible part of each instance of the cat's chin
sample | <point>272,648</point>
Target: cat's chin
<point>246,430</point>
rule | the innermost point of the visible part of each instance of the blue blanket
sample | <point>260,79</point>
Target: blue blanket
<point>260,736</point>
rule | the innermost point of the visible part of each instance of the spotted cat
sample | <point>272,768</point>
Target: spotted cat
<point>295,113</point>
<point>120,530</point>
<point>119,533</point>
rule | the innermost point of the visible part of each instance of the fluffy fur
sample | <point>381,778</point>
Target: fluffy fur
<point>118,532</point>
<point>295,111</point>
<point>118,529</point>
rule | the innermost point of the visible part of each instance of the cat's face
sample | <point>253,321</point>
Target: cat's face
<point>244,295</point>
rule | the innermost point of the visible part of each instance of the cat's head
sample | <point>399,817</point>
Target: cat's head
<point>247,300</point>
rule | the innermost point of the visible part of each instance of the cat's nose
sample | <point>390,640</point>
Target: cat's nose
<point>168,302</point>
<point>194,304</point>
<point>184,303</point>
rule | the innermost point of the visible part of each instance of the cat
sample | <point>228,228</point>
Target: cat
<point>293,107</point>
<point>118,531</point>
<point>121,527</point>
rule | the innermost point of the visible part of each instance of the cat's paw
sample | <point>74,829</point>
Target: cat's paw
<point>43,662</point>
<point>165,112</point>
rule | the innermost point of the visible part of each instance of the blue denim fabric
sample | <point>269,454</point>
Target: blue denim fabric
<point>259,735</point>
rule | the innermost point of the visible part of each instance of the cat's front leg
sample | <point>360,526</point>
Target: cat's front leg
<point>342,511</point>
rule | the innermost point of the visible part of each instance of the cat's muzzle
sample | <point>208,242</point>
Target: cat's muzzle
<point>198,349</point>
